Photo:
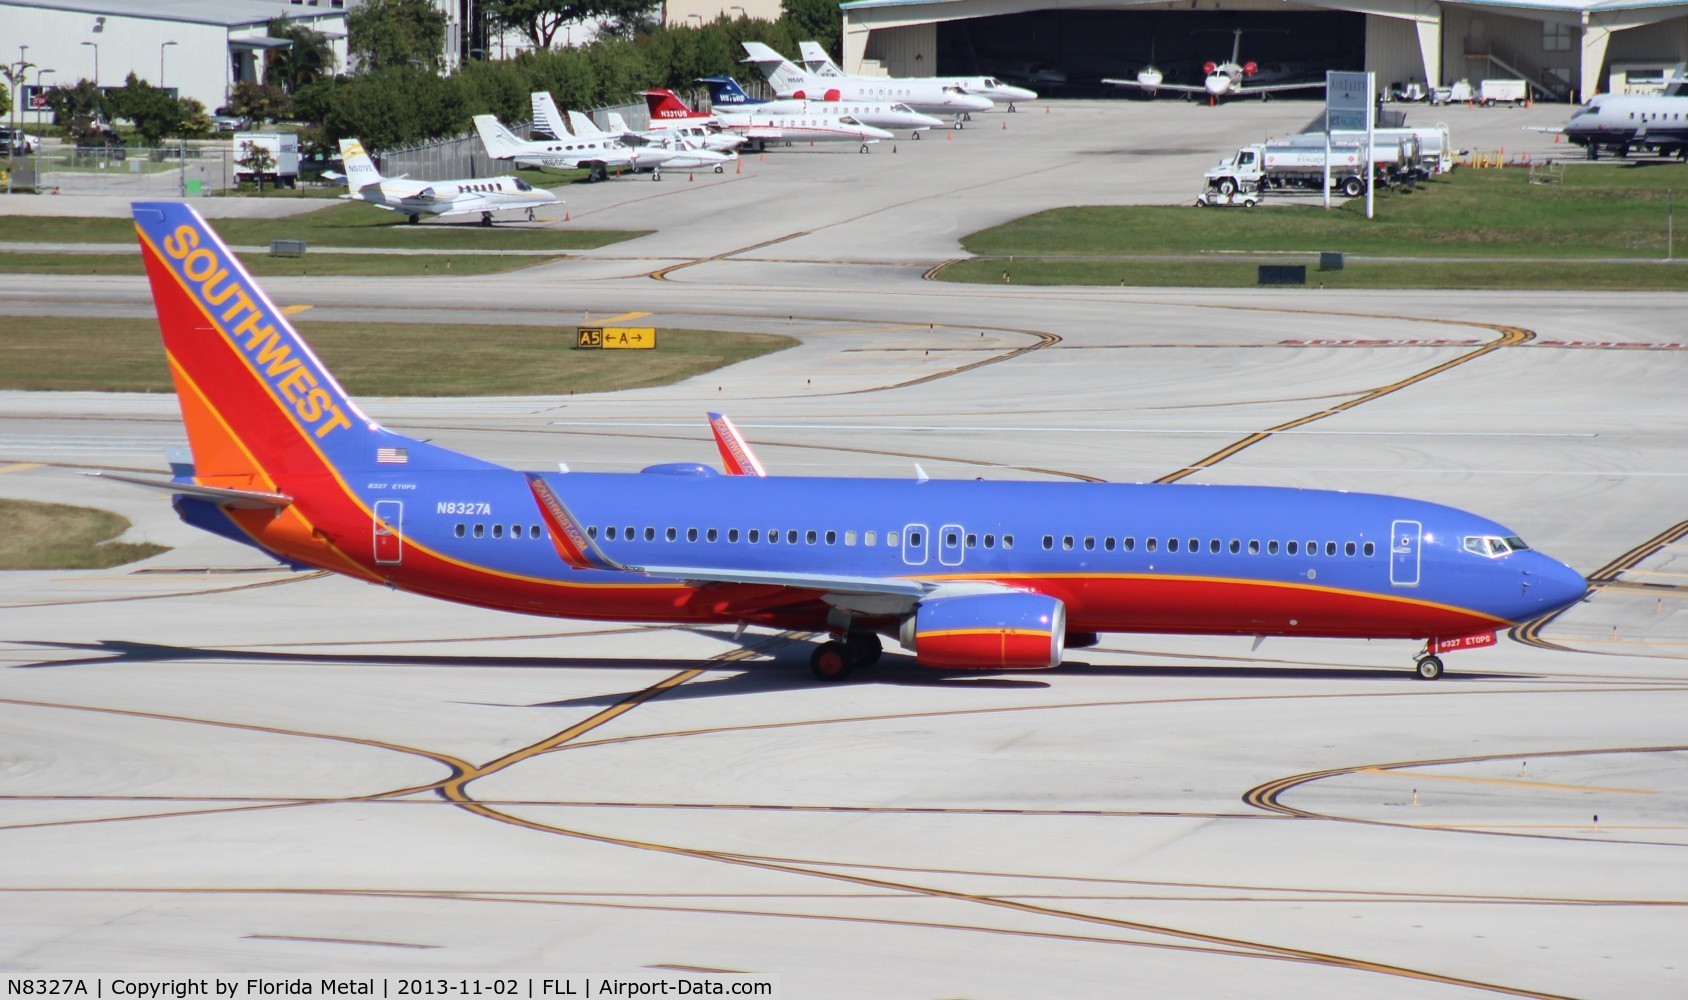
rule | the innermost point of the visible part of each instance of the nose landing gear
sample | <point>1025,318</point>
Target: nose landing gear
<point>1428,667</point>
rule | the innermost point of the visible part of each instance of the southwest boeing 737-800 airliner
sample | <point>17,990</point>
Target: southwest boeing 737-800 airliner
<point>966,574</point>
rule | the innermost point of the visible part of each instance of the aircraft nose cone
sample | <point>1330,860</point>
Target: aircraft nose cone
<point>1553,586</point>
<point>1217,85</point>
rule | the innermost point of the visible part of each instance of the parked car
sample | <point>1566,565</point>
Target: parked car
<point>227,123</point>
<point>105,145</point>
<point>19,142</point>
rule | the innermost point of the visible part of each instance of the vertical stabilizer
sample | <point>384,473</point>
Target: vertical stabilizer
<point>816,61</point>
<point>725,91</point>
<point>500,143</point>
<point>583,126</point>
<point>360,169</point>
<point>781,73</point>
<point>665,105</point>
<point>545,116</point>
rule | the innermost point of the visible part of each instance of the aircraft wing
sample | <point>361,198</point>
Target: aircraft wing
<point>1182,88</point>
<point>879,586</point>
<point>1242,90</point>
<point>480,205</point>
<point>240,499</point>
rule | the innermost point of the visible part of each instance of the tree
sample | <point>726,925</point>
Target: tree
<point>196,121</point>
<point>382,34</point>
<point>815,20</point>
<point>540,20</point>
<point>153,111</point>
<point>259,103</point>
<point>80,107</point>
<point>309,58</point>
<point>257,160</point>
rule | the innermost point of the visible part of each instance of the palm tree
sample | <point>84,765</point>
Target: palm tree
<point>309,58</point>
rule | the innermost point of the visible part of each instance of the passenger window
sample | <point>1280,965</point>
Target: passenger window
<point>1108,543</point>
<point>1371,549</point>
<point>732,534</point>
<point>591,531</point>
<point>1195,545</point>
<point>951,539</point>
<point>1089,543</point>
<point>1272,548</point>
<point>609,533</point>
<point>972,541</point>
<point>832,538</point>
<point>1312,548</point>
<point>1213,546</point>
<point>809,537</point>
<point>672,534</point>
<point>712,535</point>
<point>791,536</point>
<point>990,541</point>
<point>480,530</point>
<point>1291,547</point>
<point>627,533</point>
<point>1067,542</point>
<point>1048,541</point>
<point>773,537</point>
<point>1128,543</point>
<point>1149,544</point>
<point>1236,546</point>
<point>650,534</point>
<point>1254,546</point>
<point>1330,548</point>
<point>691,534</point>
<point>1172,545</point>
<point>867,539</point>
<point>1348,549</point>
<point>458,531</point>
<point>533,531</point>
<point>754,535</point>
<point>498,531</point>
<point>913,538</point>
<point>890,539</point>
<point>1007,541</point>
<point>849,538</point>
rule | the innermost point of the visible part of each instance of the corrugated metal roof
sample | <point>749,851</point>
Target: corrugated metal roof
<point>1591,6</point>
<point>229,13</point>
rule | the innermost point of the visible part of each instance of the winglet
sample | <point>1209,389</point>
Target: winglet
<point>736,455</point>
<point>572,543</point>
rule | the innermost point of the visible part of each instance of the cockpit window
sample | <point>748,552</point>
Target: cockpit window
<point>1493,546</point>
<point>990,81</point>
<point>847,120</point>
<point>522,185</point>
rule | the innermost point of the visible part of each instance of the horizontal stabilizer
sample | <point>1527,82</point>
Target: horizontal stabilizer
<point>238,499</point>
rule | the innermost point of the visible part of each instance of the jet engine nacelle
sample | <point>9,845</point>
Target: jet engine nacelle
<point>986,631</point>
<point>800,95</point>
<point>1208,67</point>
<point>833,95</point>
<point>1250,68</point>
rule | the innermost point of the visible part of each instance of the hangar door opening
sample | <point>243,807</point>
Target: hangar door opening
<point>1066,53</point>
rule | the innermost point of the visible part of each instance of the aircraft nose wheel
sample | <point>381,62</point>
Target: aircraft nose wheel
<point>830,662</point>
<point>718,168</point>
<point>917,137</point>
<point>864,147</point>
<point>1429,667</point>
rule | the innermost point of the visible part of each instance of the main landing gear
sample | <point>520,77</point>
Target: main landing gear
<point>834,661</point>
<point>1428,666</point>
<point>864,147</point>
<point>486,218</point>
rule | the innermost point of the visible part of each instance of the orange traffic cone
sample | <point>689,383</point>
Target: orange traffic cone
<point>949,136</point>
<point>690,178</point>
<point>565,217</point>
<point>739,167</point>
<point>1005,126</point>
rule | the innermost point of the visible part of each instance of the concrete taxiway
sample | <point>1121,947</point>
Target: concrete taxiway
<point>210,764</point>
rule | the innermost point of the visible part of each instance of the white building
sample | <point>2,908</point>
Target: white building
<point>193,48</point>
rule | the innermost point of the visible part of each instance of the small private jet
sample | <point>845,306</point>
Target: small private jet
<point>1223,79</point>
<point>414,198</point>
<point>725,92</point>
<point>821,65</point>
<point>927,95</point>
<point>599,153</point>
<point>763,127</point>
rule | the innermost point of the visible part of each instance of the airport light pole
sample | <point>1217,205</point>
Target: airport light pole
<point>15,75</point>
<point>96,46</point>
<point>162,46</point>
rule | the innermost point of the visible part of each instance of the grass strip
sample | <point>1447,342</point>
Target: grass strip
<point>339,225</point>
<point>263,265</point>
<point>1493,274</point>
<point>378,359</point>
<point>1596,210</point>
<point>57,536</point>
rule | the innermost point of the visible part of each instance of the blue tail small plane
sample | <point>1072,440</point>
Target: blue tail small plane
<point>724,91</point>
<point>966,574</point>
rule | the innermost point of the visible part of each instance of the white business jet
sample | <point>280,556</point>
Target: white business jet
<point>1224,79</point>
<point>599,154</point>
<point>816,61</point>
<point>484,195</point>
<point>928,96</point>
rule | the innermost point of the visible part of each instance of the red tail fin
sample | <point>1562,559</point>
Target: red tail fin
<point>665,104</point>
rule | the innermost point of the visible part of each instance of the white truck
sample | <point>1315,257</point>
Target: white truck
<point>1492,92</point>
<point>1398,152</point>
<point>1283,166</point>
<point>283,148</point>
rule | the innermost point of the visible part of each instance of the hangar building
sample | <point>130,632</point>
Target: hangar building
<point>1566,48</point>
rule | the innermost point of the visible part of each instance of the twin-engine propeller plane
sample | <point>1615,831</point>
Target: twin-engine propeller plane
<point>969,575</point>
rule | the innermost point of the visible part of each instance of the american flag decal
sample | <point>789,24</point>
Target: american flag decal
<point>392,456</point>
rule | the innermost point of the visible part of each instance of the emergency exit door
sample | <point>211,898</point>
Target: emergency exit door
<point>389,535</point>
<point>1405,538</point>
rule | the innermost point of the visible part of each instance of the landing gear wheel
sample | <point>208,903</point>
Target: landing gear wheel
<point>958,125</point>
<point>830,662</point>
<point>530,215</point>
<point>864,648</point>
<point>412,219</point>
<point>1010,107</point>
<point>486,218</point>
<point>719,169</point>
<point>917,136</point>
<point>864,147</point>
<point>1429,668</point>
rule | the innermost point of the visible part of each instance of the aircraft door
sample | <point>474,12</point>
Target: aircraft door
<point>949,544</point>
<point>1405,538</point>
<point>914,544</point>
<point>389,537</point>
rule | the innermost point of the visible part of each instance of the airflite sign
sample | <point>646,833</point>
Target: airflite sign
<point>629,338</point>
<point>1347,99</point>
<point>1477,641</point>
